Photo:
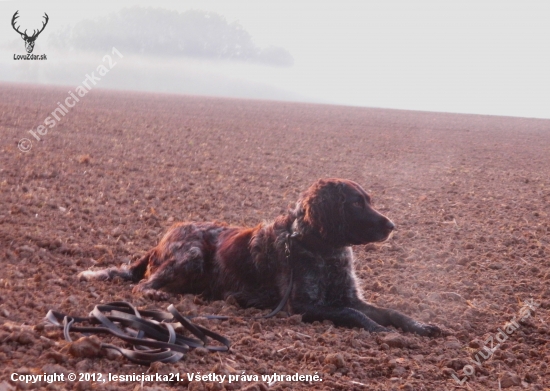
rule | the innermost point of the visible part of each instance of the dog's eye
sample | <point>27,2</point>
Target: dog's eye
<point>357,204</point>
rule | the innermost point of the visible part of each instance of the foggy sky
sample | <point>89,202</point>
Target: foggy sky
<point>484,57</point>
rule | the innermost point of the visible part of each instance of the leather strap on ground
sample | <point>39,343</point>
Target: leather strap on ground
<point>151,333</point>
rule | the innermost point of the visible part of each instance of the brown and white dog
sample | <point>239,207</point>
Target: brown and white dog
<point>254,265</point>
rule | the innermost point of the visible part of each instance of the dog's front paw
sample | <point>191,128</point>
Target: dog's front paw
<point>429,330</point>
<point>380,329</point>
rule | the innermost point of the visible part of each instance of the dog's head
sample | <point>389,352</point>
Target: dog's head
<point>339,212</point>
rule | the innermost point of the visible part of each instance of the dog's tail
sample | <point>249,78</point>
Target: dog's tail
<point>135,272</point>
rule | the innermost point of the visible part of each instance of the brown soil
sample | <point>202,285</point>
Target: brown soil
<point>470,196</point>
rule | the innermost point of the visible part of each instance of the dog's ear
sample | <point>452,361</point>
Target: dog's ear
<point>323,206</point>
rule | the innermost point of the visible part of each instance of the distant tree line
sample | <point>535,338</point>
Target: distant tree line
<point>154,31</point>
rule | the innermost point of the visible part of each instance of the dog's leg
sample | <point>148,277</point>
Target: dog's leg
<point>151,286</point>
<point>389,317</point>
<point>182,272</point>
<point>345,316</point>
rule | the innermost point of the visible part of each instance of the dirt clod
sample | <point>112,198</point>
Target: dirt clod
<point>336,359</point>
<point>86,347</point>
<point>510,379</point>
<point>395,340</point>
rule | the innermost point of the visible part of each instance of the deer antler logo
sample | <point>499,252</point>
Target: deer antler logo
<point>29,41</point>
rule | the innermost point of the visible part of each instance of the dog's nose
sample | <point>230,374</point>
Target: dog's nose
<point>390,225</point>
